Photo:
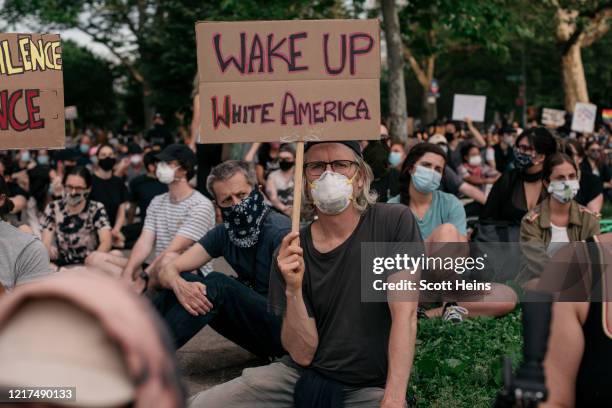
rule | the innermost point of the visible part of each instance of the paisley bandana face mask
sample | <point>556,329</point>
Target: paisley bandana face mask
<point>243,220</point>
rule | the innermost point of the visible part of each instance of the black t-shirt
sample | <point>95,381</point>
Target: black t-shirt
<point>251,264</point>
<point>387,186</point>
<point>209,155</point>
<point>143,189</point>
<point>353,335</point>
<point>503,158</point>
<point>590,187</point>
<point>14,190</point>
<point>507,201</point>
<point>451,181</point>
<point>159,135</point>
<point>110,192</point>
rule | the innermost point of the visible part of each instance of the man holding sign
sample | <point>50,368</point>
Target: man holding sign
<point>355,353</point>
<point>316,81</point>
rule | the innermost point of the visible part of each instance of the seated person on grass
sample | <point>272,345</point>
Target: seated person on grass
<point>441,218</point>
<point>174,221</point>
<point>236,308</point>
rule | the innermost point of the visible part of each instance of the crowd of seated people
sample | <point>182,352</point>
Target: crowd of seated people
<point>136,211</point>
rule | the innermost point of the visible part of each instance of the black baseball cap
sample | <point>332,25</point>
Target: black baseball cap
<point>134,148</point>
<point>351,144</point>
<point>179,152</point>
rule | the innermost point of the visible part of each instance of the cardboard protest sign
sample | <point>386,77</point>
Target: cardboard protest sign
<point>469,106</point>
<point>553,117</point>
<point>265,81</point>
<point>31,91</point>
<point>71,113</point>
<point>584,117</point>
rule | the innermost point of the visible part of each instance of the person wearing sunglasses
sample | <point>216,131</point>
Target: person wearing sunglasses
<point>76,223</point>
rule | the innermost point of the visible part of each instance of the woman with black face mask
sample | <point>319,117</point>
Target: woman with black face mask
<point>111,191</point>
<point>77,224</point>
<point>279,184</point>
<point>520,189</point>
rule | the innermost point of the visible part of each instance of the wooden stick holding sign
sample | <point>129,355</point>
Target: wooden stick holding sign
<point>265,81</point>
<point>298,183</point>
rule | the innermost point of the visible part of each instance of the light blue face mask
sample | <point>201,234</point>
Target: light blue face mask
<point>25,157</point>
<point>42,160</point>
<point>425,180</point>
<point>395,158</point>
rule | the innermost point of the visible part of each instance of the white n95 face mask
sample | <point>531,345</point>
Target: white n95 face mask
<point>332,192</point>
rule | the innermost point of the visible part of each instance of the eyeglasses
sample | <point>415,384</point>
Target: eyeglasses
<point>316,168</point>
<point>75,189</point>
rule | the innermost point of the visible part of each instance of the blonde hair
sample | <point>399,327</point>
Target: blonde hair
<point>364,197</point>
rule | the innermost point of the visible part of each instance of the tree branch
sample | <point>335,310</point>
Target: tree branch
<point>123,59</point>
<point>582,34</point>
<point>597,28</point>
<point>416,68</point>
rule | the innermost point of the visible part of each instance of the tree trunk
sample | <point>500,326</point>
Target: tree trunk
<point>574,80</point>
<point>146,104</point>
<point>395,58</point>
<point>430,110</point>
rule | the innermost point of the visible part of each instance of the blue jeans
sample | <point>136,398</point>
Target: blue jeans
<point>239,314</point>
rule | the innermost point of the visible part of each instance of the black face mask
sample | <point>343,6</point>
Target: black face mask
<point>107,164</point>
<point>285,165</point>
<point>450,136</point>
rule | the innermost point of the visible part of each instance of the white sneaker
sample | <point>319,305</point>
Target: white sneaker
<point>454,313</point>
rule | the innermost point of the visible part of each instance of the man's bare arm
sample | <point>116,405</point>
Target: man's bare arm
<point>190,260</point>
<point>402,339</point>
<point>565,349</point>
<point>140,252</point>
<point>299,332</point>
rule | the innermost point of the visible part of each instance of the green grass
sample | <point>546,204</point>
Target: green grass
<point>606,211</point>
<point>460,365</point>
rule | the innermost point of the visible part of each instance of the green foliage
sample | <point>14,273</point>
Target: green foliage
<point>478,45</point>
<point>431,27</point>
<point>88,84</point>
<point>460,365</point>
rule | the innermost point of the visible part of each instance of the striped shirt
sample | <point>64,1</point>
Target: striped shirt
<point>190,218</point>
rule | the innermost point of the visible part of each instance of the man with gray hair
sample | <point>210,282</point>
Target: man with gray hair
<point>343,352</point>
<point>247,239</point>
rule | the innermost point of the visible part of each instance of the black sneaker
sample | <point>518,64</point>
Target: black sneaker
<point>421,313</point>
